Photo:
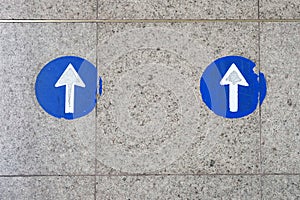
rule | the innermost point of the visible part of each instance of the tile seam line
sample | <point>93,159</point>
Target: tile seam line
<point>260,114</point>
<point>142,20</point>
<point>259,69</point>
<point>144,175</point>
<point>96,113</point>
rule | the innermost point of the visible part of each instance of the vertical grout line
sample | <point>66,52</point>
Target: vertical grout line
<point>260,115</point>
<point>259,107</point>
<point>258,9</point>
<point>96,112</point>
<point>97,10</point>
<point>95,172</point>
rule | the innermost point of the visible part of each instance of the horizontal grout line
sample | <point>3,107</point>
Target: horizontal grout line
<point>199,174</point>
<point>141,20</point>
<point>45,175</point>
<point>145,175</point>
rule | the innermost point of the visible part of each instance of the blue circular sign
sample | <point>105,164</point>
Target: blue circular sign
<point>67,87</point>
<point>230,87</point>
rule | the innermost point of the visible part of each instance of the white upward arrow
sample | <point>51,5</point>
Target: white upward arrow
<point>69,78</point>
<point>233,77</point>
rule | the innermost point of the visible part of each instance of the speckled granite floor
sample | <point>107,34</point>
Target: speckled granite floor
<point>151,55</point>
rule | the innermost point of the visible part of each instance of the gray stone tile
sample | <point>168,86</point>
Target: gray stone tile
<point>176,9</point>
<point>281,187</point>
<point>280,59</point>
<point>178,187</point>
<point>32,141</point>
<point>151,118</point>
<point>47,188</point>
<point>280,9</point>
<point>43,9</point>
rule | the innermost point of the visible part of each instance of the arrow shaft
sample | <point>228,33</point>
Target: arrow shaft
<point>233,97</point>
<point>69,98</point>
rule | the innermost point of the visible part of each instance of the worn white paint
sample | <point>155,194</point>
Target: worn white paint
<point>233,77</point>
<point>69,78</point>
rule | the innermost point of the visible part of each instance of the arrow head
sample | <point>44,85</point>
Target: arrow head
<point>233,76</point>
<point>69,77</point>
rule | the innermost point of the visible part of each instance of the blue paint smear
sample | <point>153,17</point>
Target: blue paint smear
<point>262,88</point>
<point>216,96</point>
<point>100,86</point>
